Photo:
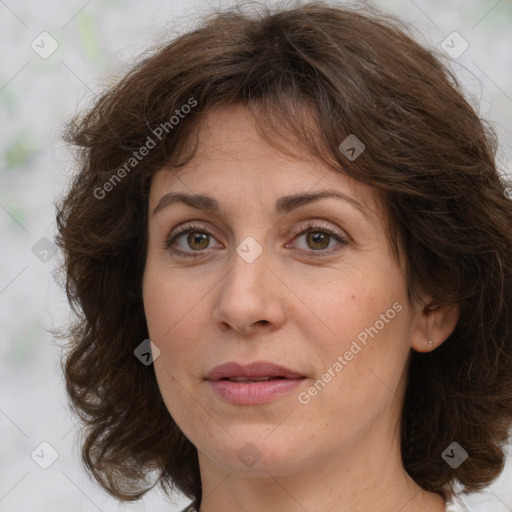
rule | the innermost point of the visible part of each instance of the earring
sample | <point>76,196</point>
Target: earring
<point>430,343</point>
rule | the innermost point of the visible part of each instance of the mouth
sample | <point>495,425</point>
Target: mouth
<point>253,384</point>
<point>252,379</point>
<point>256,371</point>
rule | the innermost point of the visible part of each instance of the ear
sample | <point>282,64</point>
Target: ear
<point>434,322</point>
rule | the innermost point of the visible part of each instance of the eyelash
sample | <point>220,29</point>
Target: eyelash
<point>304,229</point>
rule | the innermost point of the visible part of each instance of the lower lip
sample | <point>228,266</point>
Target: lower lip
<point>253,393</point>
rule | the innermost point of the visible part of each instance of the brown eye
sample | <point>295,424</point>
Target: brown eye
<point>317,240</point>
<point>198,240</point>
<point>189,241</point>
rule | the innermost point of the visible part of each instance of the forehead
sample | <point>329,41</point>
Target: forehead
<point>232,158</point>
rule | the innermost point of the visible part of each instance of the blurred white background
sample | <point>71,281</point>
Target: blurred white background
<point>95,38</point>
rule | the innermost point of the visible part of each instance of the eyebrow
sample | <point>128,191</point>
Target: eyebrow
<point>283,204</point>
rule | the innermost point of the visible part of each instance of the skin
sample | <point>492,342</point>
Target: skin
<point>340,451</point>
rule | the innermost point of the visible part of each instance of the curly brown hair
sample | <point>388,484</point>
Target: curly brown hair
<point>428,154</point>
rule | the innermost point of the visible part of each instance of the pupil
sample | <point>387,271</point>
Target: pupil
<point>316,237</point>
<point>200,238</point>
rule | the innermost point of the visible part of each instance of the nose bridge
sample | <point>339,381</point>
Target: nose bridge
<point>248,267</point>
<point>247,294</point>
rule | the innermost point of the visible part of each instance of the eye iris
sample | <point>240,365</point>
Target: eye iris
<point>201,238</point>
<point>316,237</point>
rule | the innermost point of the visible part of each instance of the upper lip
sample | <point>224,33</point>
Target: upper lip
<point>255,369</point>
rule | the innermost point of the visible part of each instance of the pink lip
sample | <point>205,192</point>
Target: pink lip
<point>252,393</point>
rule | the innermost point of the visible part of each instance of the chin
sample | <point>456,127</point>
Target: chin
<point>250,452</point>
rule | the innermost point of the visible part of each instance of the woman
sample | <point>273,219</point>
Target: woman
<point>290,253</point>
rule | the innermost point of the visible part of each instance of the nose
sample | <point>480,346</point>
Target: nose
<point>251,298</point>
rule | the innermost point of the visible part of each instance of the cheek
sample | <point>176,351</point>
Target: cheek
<point>376,360</point>
<point>171,328</point>
<point>169,302</point>
<point>168,328</point>
<point>350,297</point>
<point>367,344</point>
<point>340,314</point>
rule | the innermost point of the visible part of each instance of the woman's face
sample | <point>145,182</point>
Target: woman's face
<point>328,304</point>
